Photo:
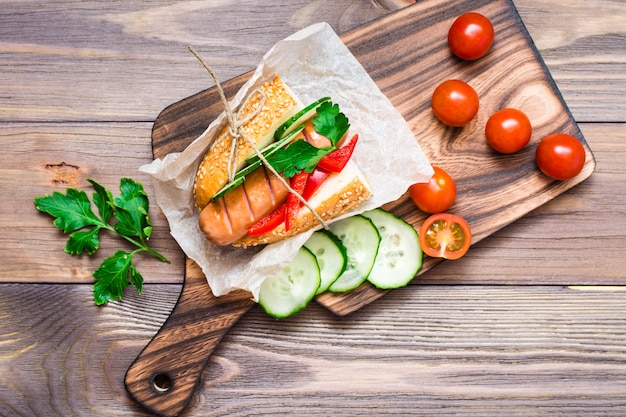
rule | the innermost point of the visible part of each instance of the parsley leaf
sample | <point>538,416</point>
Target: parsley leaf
<point>330,122</point>
<point>103,200</point>
<point>299,155</point>
<point>71,211</point>
<point>73,214</point>
<point>83,241</point>
<point>112,277</point>
<point>131,209</point>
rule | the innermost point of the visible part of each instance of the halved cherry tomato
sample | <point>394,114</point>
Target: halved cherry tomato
<point>560,156</point>
<point>435,196</point>
<point>298,182</point>
<point>470,36</point>
<point>269,222</point>
<point>508,130</point>
<point>337,159</point>
<point>455,103</point>
<point>445,235</point>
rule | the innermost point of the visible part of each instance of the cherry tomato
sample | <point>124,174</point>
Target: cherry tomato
<point>455,102</point>
<point>435,196</point>
<point>445,235</point>
<point>560,156</point>
<point>508,130</point>
<point>470,36</point>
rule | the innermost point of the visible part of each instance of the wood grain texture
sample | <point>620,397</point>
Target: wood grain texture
<point>584,51</point>
<point>432,351</point>
<point>575,217</point>
<point>166,374</point>
<point>406,54</point>
<point>43,158</point>
<point>493,334</point>
<point>127,61</point>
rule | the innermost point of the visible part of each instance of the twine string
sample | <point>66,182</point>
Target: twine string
<point>236,131</point>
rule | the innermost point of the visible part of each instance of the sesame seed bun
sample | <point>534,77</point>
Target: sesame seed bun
<point>280,105</point>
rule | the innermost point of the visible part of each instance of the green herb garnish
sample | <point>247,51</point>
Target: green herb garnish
<point>301,155</point>
<point>330,122</point>
<point>73,214</point>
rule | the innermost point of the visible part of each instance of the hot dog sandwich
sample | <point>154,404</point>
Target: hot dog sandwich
<point>284,169</point>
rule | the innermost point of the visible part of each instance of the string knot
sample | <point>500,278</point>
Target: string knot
<point>236,132</point>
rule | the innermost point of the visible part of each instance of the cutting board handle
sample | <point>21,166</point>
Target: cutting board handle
<point>165,375</point>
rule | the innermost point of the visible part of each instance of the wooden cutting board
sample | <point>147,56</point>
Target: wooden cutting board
<point>406,54</point>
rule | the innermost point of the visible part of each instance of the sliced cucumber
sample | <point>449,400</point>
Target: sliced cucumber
<point>399,255</point>
<point>331,256</point>
<point>298,118</point>
<point>361,239</point>
<point>291,289</point>
<point>236,182</point>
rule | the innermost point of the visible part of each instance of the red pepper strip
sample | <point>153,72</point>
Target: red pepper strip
<point>316,178</point>
<point>298,182</point>
<point>269,222</point>
<point>337,159</point>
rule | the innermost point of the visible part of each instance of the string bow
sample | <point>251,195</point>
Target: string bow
<point>236,131</point>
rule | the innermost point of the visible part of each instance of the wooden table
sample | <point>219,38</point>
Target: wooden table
<point>531,322</point>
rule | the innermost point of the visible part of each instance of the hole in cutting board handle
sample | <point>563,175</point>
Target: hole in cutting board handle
<point>162,383</point>
<point>167,372</point>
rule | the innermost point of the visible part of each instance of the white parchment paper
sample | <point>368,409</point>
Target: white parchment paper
<point>315,63</point>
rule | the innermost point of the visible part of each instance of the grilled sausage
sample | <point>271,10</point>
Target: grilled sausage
<point>228,218</point>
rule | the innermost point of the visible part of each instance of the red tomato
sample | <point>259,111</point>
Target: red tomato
<point>560,156</point>
<point>455,102</point>
<point>445,235</point>
<point>470,36</point>
<point>508,130</point>
<point>435,196</point>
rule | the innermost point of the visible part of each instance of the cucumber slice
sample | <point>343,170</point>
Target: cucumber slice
<point>361,239</point>
<point>399,255</point>
<point>331,256</point>
<point>236,182</point>
<point>298,118</point>
<point>291,289</point>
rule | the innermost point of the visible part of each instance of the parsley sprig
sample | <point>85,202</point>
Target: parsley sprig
<point>297,156</point>
<point>73,214</point>
<point>301,155</point>
<point>330,122</point>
